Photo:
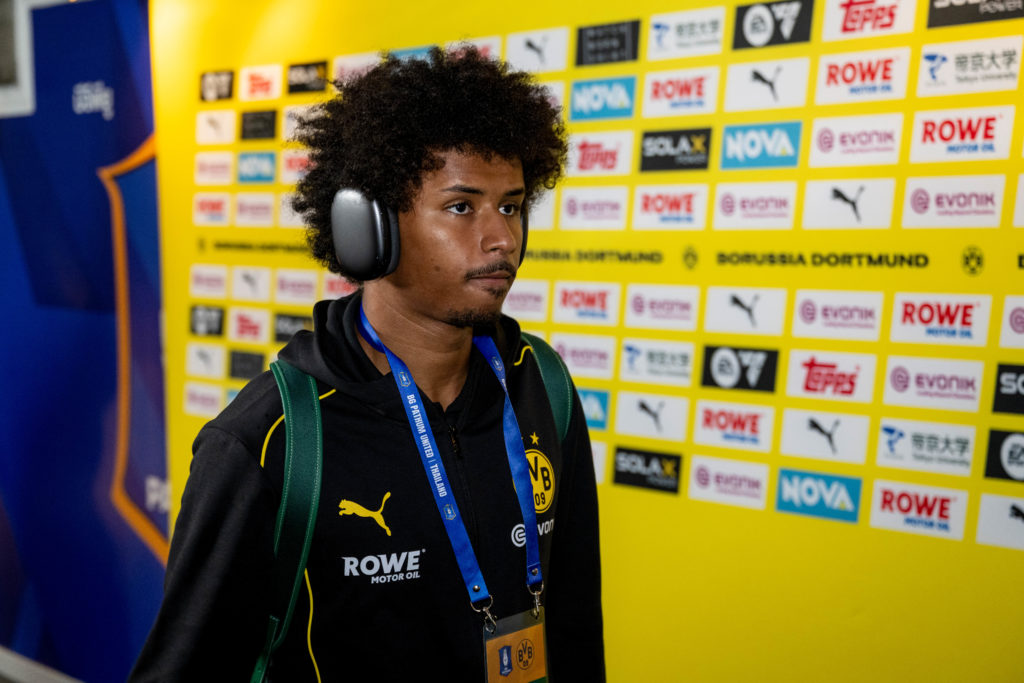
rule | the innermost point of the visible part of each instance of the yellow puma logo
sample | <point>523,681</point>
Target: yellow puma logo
<point>347,507</point>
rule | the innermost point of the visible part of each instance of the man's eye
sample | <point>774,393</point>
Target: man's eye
<point>510,209</point>
<point>459,208</point>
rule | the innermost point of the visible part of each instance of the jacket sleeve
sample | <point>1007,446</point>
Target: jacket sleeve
<point>212,622</point>
<point>574,622</point>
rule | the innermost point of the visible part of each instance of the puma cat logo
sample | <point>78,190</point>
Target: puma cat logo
<point>347,507</point>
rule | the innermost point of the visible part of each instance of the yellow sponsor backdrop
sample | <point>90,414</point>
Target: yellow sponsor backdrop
<point>693,590</point>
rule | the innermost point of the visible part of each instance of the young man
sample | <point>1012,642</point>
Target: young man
<point>457,146</point>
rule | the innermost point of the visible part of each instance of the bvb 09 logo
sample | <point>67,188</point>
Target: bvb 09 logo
<point>543,476</point>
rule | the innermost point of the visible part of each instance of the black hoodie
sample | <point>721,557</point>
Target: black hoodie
<point>387,599</point>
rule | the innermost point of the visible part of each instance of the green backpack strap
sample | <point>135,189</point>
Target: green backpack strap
<point>557,381</point>
<point>300,498</point>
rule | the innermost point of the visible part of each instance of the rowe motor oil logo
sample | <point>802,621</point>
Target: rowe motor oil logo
<point>917,509</point>
<point>962,134</point>
<point>863,76</point>
<point>941,319</point>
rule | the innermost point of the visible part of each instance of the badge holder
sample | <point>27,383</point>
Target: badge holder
<point>515,650</point>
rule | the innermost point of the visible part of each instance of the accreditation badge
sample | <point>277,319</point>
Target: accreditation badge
<point>515,650</point>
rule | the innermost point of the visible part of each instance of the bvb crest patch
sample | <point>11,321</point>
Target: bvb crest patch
<point>542,474</point>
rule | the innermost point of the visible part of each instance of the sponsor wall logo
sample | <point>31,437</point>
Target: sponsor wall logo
<point>597,154</point>
<point>772,23</point>
<point>216,127</point>
<point>250,283</point>
<point>855,204</point>
<point>336,287</point>
<point>846,19</point>
<point>204,360</point>
<point>586,355</point>
<point>246,365</point>
<point>647,469</point>
<point>1001,521</point>
<point>538,51</point>
<point>662,307</point>
<point>968,134</point>
<point>654,416</point>
<point>207,281</point>
<point>680,92</point>
<point>953,12</point>
<point>206,321</point>
<point>818,495</point>
<point>656,362</point>
<point>670,207</point>
<point>589,303</point>
<point>933,383</point>
<point>1011,334</point>
<point>542,211</point>
<point>954,202</point>
<point>730,482</point>
<point>527,300</point>
<point>216,85</point>
<point>294,165</point>
<point>867,76</point>
<point>254,209</point>
<point>745,310</point>
<point>957,319</point>
<point>831,375</point>
<point>555,91</point>
<point>203,400</point>
<point>675,150</point>
<point>836,437</point>
<point>969,66</point>
<point>686,34</point>
<point>256,167</point>
<point>286,325</point>
<point>307,77</point>
<point>599,451</point>
<point>925,446</point>
<point>249,325</point>
<point>214,168</point>
<point>754,206</point>
<point>602,99</point>
<point>287,217</point>
<point>727,367</point>
<point>351,66</point>
<point>259,125</point>
<point>595,407</point>
<point>917,509</point>
<point>856,140</point>
<point>734,425</point>
<point>825,314</point>
<point>489,47</point>
<point>764,145</point>
<point>1009,394</point>
<point>259,83</point>
<point>1018,212</point>
<point>292,115</point>
<point>607,43</point>
<point>211,208</point>
<point>594,208</point>
<point>295,286</point>
<point>776,84</point>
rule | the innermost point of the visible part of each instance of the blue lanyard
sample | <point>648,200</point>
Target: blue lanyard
<point>434,468</point>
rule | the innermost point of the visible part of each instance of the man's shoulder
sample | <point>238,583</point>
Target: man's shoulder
<point>250,415</point>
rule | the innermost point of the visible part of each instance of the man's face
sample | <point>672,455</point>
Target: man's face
<point>461,239</point>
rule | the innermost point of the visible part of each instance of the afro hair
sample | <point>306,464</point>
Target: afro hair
<point>381,133</point>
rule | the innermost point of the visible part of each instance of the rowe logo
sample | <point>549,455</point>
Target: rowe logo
<point>962,134</point>
<point>939,319</point>
<point>734,425</point>
<point>863,76</point>
<point>926,510</point>
<point>586,302</point>
<point>818,495</point>
<point>385,568</point>
<point>675,93</point>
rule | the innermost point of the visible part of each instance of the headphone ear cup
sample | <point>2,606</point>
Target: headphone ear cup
<point>365,235</point>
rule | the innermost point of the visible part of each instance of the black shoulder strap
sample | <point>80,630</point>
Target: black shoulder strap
<point>300,497</point>
<point>557,381</point>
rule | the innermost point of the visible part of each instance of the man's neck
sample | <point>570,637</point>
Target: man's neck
<point>436,353</point>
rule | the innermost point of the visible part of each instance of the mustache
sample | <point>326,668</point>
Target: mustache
<point>503,266</point>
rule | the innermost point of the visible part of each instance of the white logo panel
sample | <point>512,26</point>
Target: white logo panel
<point>588,303</point>
<point>600,154</point>
<point>846,19</point>
<point>831,375</point>
<point>867,76</point>
<point>933,383</point>
<point>655,416</point>
<point>734,425</point>
<point>670,207</point>
<point>594,208</point>
<point>214,168</point>
<point>745,310</point>
<point>1011,334</point>
<point>254,209</point>
<point>680,92</point>
<point>834,437</point>
<point>853,204</point>
<point>767,85</point>
<point>250,283</point>
<point>856,140</point>
<point>538,51</point>
<point>754,206</point>
<point>586,355</point>
<point>208,281</point>
<point>686,34</point>
<point>979,133</point>
<point>215,127</point>
<point>662,307</point>
<point>917,509</point>
<point>296,286</point>
<point>954,202</point>
<point>527,300</point>
<point>259,83</point>
<point>925,446</point>
<point>1001,521</point>
<point>949,319</point>
<point>969,66</point>
<point>823,314</point>
<point>205,360</point>
<point>731,482</point>
<point>656,362</point>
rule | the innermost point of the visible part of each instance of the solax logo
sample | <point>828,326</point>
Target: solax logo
<point>1009,395</point>
<point>845,19</point>
<point>862,76</point>
<point>676,150</point>
<point>916,509</point>
<point>648,469</point>
<point>933,383</point>
<point>593,303</point>
<point>768,145</point>
<point>831,375</point>
<point>941,319</point>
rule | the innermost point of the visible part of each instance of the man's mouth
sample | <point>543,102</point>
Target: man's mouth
<point>501,272</point>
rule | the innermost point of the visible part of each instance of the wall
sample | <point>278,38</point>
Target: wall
<point>805,472</point>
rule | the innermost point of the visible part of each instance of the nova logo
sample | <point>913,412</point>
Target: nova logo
<point>818,495</point>
<point>385,568</point>
<point>646,469</point>
<point>256,167</point>
<point>761,146</point>
<point>595,407</point>
<point>610,98</point>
